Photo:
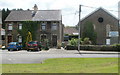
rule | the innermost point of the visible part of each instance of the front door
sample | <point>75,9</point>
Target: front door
<point>54,40</point>
<point>9,39</point>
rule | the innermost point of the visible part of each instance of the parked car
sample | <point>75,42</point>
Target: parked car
<point>14,46</point>
<point>34,46</point>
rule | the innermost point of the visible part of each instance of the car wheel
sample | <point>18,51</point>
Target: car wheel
<point>38,49</point>
<point>8,49</point>
<point>28,50</point>
<point>17,49</point>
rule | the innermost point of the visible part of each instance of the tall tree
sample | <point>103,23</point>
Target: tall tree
<point>5,13</point>
<point>89,32</point>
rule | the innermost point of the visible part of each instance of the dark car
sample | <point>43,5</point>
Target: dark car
<point>33,46</point>
<point>14,46</point>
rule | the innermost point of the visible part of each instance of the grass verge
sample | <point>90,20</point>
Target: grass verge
<point>66,65</point>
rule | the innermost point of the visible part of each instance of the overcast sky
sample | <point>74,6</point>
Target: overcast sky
<point>69,7</point>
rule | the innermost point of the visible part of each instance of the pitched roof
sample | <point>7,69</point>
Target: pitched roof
<point>41,15</point>
<point>98,10</point>
<point>48,15</point>
<point>70,30</point>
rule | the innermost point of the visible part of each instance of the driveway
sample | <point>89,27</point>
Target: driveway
<point>17,57</point>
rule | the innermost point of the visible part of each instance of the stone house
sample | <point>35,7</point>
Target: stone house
<point>105,25</point>
<point>50,26</point>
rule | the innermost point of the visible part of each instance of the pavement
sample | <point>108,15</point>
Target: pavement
<point>23,56</point>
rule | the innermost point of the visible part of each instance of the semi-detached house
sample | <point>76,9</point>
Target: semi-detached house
<point>50,26</point>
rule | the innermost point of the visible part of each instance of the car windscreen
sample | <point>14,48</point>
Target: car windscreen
<point>32,43</point>
<point>13,43</point>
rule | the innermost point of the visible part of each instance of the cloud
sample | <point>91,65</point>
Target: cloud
<point>68,7</point>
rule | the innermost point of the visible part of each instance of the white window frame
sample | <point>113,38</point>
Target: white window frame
<point>10,26</point>
<point>54,26</point>
<point>20,39</point>
<point>20,26</point>
<point>43,26</point>
<point>107,41</point>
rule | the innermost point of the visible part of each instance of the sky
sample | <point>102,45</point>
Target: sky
<point>69,8</point>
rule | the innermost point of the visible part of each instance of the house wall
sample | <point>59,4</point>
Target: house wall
<point>49,32</point>
<point>100,28</point>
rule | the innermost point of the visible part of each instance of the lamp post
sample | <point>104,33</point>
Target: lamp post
<point>79,28</point>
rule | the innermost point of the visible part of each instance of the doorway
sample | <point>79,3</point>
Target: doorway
<point>54,40</point>
<point>9,39</point>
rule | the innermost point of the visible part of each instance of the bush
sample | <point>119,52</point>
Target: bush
<point>58,44</point>
<point>86,41</point>
<point>45,44</point>
<point>73,42</point>
<point>117,47</point>
<point>94,47</point>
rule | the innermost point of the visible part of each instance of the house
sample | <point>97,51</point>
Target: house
<point>70,32</point>
<point>105,25</point>
<point>0,28</point>
<point>50,26</point>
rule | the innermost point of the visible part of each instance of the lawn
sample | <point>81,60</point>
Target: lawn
<point>66,65</point>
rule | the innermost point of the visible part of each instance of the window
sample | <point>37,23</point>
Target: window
<point>43,26</point>
<point>10,26</point>
<point>94,26</point>
<point>54,26</point>
<point>20,39</point>
<point>107,41</point>
<point>107,30</point>
<point>20,27</point>
<point>100,19</point>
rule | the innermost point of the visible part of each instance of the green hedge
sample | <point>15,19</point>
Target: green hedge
<point>95,47</point>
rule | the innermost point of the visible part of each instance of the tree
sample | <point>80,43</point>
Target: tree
<point>89,32</point>
<point>5,13</point>
<point>28,26</point>
<point>29,37</point>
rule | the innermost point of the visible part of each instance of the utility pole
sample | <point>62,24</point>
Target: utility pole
<point>79,28</point>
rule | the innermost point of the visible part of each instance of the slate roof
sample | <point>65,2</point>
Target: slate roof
<point>41,15</point>
<point>70,30</point>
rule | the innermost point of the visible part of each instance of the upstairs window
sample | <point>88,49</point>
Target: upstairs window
<point>43,25</point>
<point>20,26</point>
<point>10,26</point>
<point>54,26</point>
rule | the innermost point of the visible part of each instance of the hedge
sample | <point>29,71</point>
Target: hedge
<point>95,47</point>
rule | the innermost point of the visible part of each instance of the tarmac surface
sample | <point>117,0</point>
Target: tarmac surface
<point>24,57</point>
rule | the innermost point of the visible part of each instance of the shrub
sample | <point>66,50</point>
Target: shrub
<point>73,42</point>
<point>58,44</point>
<point>86,41</point>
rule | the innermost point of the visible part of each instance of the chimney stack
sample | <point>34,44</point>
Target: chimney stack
<point>35,10</point>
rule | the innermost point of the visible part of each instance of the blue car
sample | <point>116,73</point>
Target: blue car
<point>14,46</point>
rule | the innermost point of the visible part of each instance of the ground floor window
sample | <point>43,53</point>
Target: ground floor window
<point>20,39</point>
<point>107,41</point>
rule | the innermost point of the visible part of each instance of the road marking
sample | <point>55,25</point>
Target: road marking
<point>11,59</point>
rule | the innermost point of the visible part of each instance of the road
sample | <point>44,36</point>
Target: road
<point>17,57</point>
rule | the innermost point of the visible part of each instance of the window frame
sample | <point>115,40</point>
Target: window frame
<point>10,26</point>
<point>20,26</point>
<point>43,26</point>
<point>54,26</point>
